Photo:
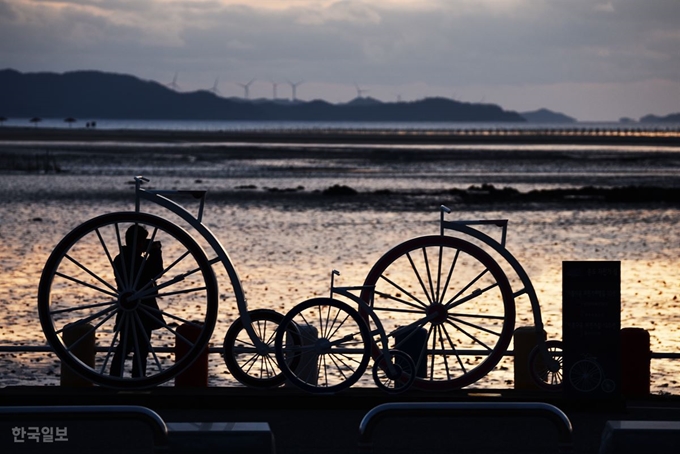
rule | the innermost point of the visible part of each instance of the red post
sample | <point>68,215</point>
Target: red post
<point>84,351</point>
<point>635,362</point>
<point>196,375</point>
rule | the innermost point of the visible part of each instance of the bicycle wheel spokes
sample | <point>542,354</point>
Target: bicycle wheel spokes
<point>331,347</point>
<point>251,364</point>
<point>397,374</point>
<point>586,375</point>
<point>107,277</point>
<point>464,298</point>
<point>546,376</point>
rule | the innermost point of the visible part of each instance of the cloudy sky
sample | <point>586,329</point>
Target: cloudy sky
<point>595,60</point>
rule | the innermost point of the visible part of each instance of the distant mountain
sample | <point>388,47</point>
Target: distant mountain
<point>654,119</point>
<point>546,116</point>
<point>93,94</point>
<point>368,101</point>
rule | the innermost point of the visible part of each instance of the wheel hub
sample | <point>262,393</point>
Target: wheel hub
<point>438,313</point>
<point>322,346</point>
<point>126,303</point>
<point>396,374</point>
<point>262,348</point>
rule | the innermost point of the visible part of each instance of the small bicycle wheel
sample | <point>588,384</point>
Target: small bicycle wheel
<point>332,351</point>
<point>254,365</point>
<point>544,376</point>
<point>140,287</point>
<point>446,303</point>
<point>400,378</point>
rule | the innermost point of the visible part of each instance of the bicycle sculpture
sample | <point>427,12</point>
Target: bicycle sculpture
<point>436,312</point>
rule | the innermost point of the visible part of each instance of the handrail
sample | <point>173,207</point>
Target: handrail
<point>220,350</point>
<point>465,409</point>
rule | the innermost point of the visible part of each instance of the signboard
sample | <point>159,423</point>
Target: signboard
<point>591,325</point>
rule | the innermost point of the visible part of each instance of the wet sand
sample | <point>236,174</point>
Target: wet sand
<point>348,169</point>
<point>286,228</point>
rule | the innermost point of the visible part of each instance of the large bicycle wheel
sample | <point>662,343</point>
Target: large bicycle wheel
<point>332,350</point>
<point>139,285</point>
<point>254,365</point>
<point>446,303</point>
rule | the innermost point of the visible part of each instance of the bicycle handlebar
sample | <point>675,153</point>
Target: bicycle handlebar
<point>454,225</point>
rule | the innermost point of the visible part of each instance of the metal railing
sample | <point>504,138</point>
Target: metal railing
<point>220,351</point>
<point>467,410</point>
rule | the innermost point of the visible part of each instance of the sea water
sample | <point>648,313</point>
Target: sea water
<point>230,125</point>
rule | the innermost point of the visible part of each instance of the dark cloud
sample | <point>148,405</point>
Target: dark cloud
<point>441,43</point>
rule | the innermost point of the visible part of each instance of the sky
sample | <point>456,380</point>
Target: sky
<point>594,60</point>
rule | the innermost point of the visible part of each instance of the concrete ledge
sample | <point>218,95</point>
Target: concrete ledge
<point>637,437</point>
<point>220,437</point>
<point>81,429</point>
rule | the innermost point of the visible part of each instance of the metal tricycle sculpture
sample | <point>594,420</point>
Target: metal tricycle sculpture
<point>446,308</point>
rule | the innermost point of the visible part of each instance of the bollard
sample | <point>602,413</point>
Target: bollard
<point>414,345</point>
<point>635,362</point>
<point>81,337</point>
<point>196,375</point>
<point>525,341</point>
<point>307,369</point>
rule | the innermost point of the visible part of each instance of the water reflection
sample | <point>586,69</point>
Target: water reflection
<point>285,256</point>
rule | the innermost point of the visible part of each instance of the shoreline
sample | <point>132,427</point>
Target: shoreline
<point>345,198</point>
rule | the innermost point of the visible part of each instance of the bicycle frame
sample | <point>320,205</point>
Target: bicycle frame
<point>160,197</point>
<point>464,227</point>
<point>363,305</point>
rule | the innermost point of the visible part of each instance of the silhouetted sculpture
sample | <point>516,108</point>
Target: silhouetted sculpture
<point>136,268</point>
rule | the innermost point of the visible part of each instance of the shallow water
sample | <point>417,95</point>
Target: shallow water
<point>285,255</point>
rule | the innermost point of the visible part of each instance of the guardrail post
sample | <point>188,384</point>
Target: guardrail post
<point>81,340</point>
<point>196,375</point>
<point>524,342</point>
<point>635,362</point>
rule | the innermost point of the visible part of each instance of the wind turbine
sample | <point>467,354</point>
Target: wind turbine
<point>214,88</point>
<point>173,84</point>
<point>360,92</point>
<point>246,88</point>
<point>274,85</point>
<point>293,87</point>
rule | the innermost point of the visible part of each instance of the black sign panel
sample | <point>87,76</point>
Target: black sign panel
<point>591,325</point>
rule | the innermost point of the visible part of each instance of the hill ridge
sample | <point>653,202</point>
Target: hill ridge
<point>98,94</point>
